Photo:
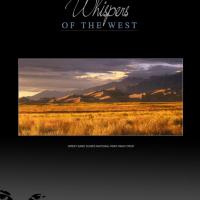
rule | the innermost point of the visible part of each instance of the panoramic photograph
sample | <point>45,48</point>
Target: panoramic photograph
<point>100,97</point>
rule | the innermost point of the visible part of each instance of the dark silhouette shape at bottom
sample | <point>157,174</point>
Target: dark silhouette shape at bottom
<point>5,195</point>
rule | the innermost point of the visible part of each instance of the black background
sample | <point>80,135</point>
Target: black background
<point>158,167</point>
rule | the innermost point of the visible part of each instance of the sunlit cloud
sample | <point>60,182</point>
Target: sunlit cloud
<point>147,66</point>
<point>110,75</point>
<point>23,93</point>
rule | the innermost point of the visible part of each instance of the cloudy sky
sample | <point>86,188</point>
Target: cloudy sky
<point>36,75</point>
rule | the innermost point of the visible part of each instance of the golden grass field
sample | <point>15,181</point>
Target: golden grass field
<point>101,119</point>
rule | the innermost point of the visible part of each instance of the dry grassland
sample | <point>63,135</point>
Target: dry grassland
<point>101,119</point>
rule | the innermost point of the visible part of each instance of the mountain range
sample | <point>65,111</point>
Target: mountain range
<point>147,88</point>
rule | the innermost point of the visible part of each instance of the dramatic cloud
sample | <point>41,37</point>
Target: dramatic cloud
<point>36,75</point>
<point>110,75</point>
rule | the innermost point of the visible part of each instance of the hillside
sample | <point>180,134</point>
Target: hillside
<point>154,88</point>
